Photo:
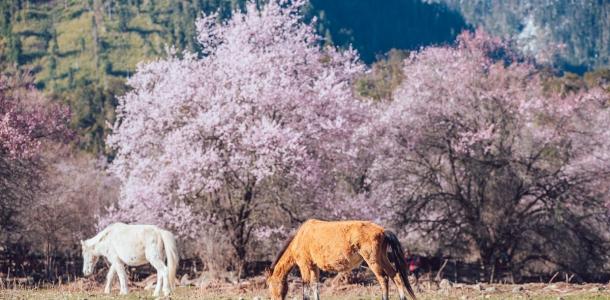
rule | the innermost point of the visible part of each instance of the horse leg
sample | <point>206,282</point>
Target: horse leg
<point>162,278</point>
<point>154,257</point>
<point>314,275</point>
<point>120,270</point>
<point>371,256</point>
<point>158,286</point>
<point>305,271</point>
<point>390,272</point>
<point>109,279</point>
<point>381,277</point>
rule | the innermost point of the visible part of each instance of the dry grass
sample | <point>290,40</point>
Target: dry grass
<point>84,289</point>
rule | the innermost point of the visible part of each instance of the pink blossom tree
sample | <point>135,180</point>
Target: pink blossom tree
<point>258,126</point>
<point>27,121</point>
<point>477,154</point>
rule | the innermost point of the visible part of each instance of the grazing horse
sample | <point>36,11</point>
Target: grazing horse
<point>337,247</point>
<point>133,245</point>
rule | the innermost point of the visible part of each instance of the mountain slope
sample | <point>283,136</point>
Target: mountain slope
<point>81,51</point>
<point>581,28</point>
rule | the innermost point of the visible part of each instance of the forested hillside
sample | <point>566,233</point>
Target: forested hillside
<point>580,28</point>
<point>71,41</point>
<point>81,51</point>
<point>375,27</point>
<point>66,42</point>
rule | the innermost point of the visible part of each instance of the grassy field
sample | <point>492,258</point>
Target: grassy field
<point>345,292</point>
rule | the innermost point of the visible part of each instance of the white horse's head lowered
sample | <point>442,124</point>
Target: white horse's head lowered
<point>133,245</point>
<point>89,259</point>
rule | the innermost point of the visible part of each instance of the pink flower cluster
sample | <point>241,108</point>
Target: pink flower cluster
<point>26,118</point>
<point>265,109</point>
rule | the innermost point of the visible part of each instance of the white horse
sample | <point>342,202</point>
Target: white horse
<point>133,245</point>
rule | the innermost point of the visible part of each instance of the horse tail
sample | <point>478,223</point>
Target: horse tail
<point>399,260</point>
<point>171,252</point>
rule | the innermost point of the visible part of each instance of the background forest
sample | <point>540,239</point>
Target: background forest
<point>80,54</point>
<point>81,51</point>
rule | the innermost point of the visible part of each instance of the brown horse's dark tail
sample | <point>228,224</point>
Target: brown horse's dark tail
<point>399,260</point>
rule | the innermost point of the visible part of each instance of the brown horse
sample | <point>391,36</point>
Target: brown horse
<point>337,247</point>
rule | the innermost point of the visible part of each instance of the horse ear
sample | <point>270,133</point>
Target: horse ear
<point>82,243</point>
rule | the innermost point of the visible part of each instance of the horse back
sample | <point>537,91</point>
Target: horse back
<point>351,231</point>
<point>336,246</point>
<point>130,242</point>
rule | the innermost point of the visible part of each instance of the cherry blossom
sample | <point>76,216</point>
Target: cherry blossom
<point>266,115</point>
<point>478,153</point>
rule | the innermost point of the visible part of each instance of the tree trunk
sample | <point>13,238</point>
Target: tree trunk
<point>241,233</point>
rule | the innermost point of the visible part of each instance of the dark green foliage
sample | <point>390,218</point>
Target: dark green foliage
<point>385,76</point>
<point>124,16</point>
<point>583,27</point>
<point>92,107</point>
<point>374,27</point>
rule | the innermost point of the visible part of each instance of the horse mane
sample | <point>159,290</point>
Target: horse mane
<point>281,253</point>
<point>101,235</point>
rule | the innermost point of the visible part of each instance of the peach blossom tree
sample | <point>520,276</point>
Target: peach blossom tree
<point>257,127</point>
<point>27,121</point>
<point>478,155</point>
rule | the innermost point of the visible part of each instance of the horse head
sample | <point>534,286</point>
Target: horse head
<point>278,287</point>
<point>89,258</point>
